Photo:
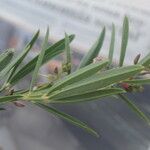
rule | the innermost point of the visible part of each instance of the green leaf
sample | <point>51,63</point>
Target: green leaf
<point>68,118</point>
<point>97,81</point>
<point>94,51</point>
<point>6,58</point>
<point>135,108</point>
<point>79,75</point>
<point>44,86</point>
<point>90,96</point>
<point>124,40</point>
<point>10,98</point>
<point>5,85</point>
<point>67,49</point>
<point>145,61</point>
<point>50,52</point>
<point>138,81</point>
<point>16,62</point>
<point>5,53</point>
<point>112,44</point>
<point>66,67</point>
<point>39,61</point>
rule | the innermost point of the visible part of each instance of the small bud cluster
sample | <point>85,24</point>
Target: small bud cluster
<point>66,68</point>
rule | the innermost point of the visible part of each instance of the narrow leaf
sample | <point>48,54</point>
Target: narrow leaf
<point>39,61</point>
<point>89,96</point>
<point>67,49</point>
<point>94,51</point>
<point>145,61</point>
<point>68,118</point>
<point>50,53</point>
<point>16,62</point>
<point>66,67</point>
<point>97,81</point>
<point>10,98</point>
<point>138,81</point>
<point>135,108</point>
<point>6,58</point>
<point>78,75</point>
<point>112,44</point>
<point>124,40</point>
<point>5,53</point>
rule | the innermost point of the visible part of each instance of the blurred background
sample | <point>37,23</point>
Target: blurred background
<point>31,128</point>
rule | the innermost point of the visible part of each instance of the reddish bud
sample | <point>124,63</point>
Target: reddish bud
<point>125,85</point>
